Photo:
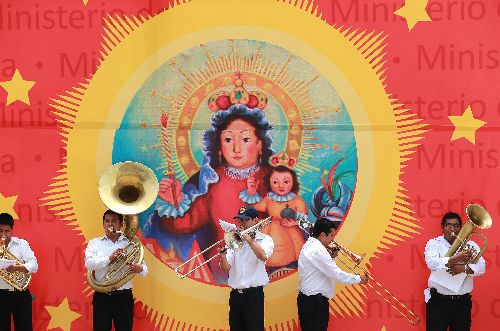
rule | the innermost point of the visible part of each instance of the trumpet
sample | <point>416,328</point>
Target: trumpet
<point>376,287</point>
<point>478,217</point>
<point>232,239</point>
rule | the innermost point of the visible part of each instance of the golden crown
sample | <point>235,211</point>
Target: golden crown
<point>282,159</point>
<point>222,100</point>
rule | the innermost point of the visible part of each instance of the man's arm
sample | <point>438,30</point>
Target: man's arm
<point>324,262</point>
<point>432,258</point>
<point>92,260</point>
<point>261,252</point>
<point>30,264</point>
<point>224,263</point>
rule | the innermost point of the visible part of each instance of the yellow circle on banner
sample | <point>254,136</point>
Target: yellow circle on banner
<point>160,38</point>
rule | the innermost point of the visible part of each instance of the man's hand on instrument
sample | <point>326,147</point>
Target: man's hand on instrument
<point>135,267</point>
<point>364,279</point>
<point>462,256</point>
<point>223,250</point>
<point>246,238</point>
<point>16,267</point>
<point>456,269</point>
<point>115,254</point>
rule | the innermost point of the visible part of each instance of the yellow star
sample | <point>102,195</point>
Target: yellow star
<point>7,205</point>
<point>466,126</point>
<point>414,11</point>
<point>61,316</point>
<point>85,2</point>
<point>17,88</point>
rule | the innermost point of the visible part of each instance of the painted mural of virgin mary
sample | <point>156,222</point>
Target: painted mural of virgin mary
<point>236,146</point>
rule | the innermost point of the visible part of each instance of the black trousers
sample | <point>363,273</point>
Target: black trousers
<point>446,311</point>
<point>313,312</point>
<point>17,304</point>
<point>246,310</point>
<point>117,307</point>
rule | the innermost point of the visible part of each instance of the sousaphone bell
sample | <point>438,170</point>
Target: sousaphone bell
<point>127,188</point>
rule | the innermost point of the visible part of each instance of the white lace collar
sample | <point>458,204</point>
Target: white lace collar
<point>281,198</point>
<point>234,173</point>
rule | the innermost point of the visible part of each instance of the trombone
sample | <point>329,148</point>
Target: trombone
<point>232,240</point>
<point>378,288</point>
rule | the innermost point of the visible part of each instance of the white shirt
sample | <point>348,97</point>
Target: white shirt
<point>246,269</point>
<point>435,252</point>
<point>318,272</point>
<point>22,250</point>
<point>97,257</point>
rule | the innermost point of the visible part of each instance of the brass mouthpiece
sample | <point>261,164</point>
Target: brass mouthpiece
<point>112,230</point>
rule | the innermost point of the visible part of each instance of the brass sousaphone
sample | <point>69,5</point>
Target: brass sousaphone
<point>127,188</point>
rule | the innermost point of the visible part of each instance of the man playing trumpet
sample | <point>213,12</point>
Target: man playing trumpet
<point>318,275</point>
<point>115,306</point>
<point>247,274</point>
<point>14,301</point>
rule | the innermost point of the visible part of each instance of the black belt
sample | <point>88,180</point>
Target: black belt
<point>12,290</point>
<point>246,290</point>
<point>449,297</point>
<point>317,295</point>
<point>117,292</point>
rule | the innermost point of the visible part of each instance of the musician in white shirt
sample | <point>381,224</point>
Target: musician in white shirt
<point>444,307</point>
<point>115,306</point>
<point>14,303</point>
<point>247,275</point>
<point>318,275</point>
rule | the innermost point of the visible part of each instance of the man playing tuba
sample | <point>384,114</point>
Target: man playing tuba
<point>446,307</point>
<point>115,306</point>
<point>15,300</point>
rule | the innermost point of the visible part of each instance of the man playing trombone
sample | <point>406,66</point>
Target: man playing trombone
<point>318,275</point>
<point>247,274</point>
<point>444,306</point>
<point>114,306</point>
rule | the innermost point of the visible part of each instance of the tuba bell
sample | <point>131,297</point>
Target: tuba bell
<point>127,188</point>
<point>17,279</point>
<point>478,218</point>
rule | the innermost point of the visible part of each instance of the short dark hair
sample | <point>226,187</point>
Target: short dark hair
<point>7,219</point>
<point>323,225</point>
<point>282,168</point>
<point>111,212</point>
<point>450,215</point>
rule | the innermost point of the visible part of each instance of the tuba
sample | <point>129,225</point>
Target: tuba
<point>127,188</point>
<point>478,217</point>
<point>17,279</point>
